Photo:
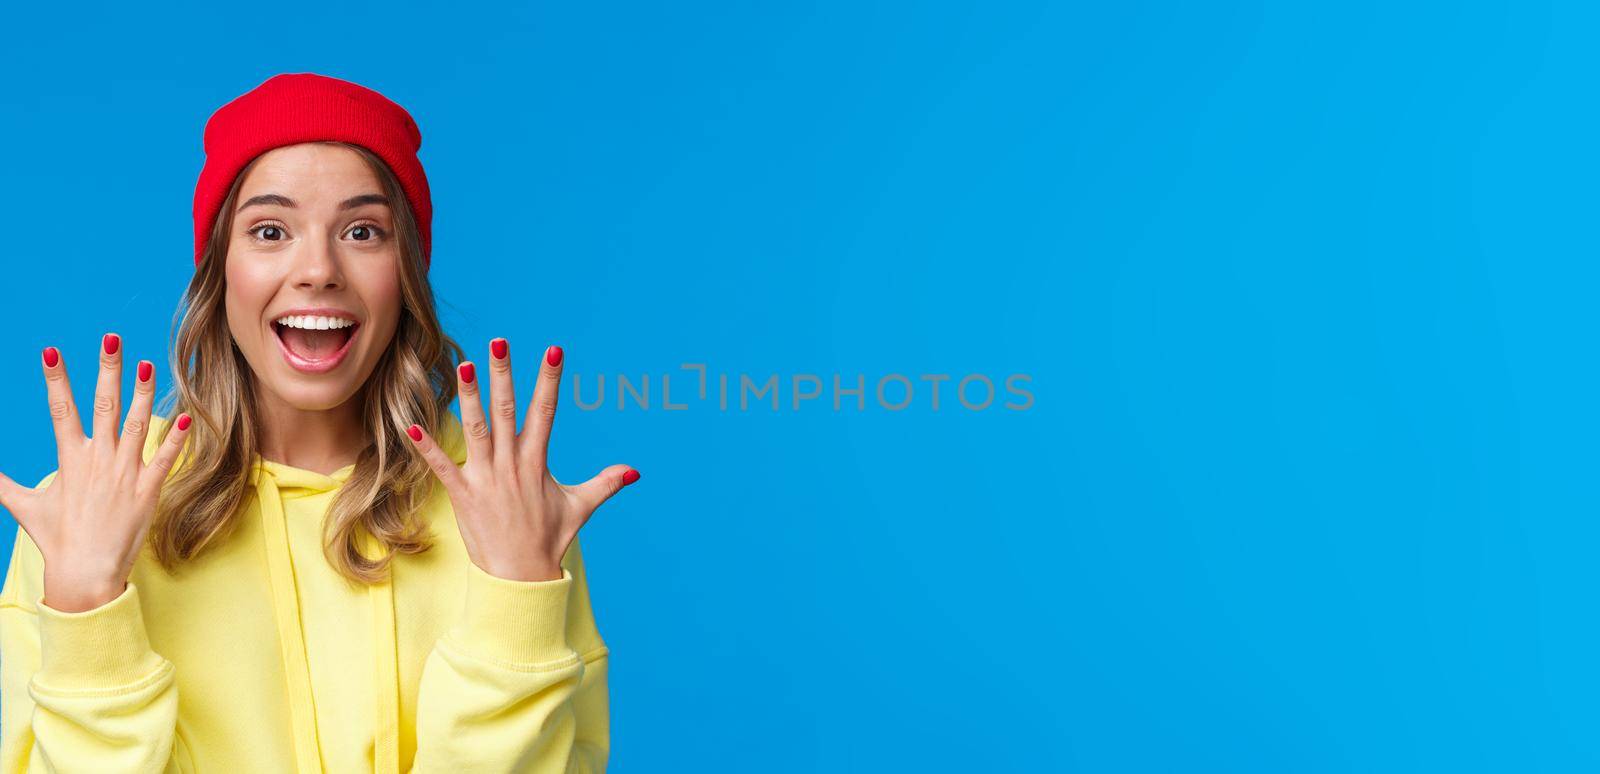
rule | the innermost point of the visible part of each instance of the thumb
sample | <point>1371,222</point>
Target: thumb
<point>593,493</point>
<point>15,497</point>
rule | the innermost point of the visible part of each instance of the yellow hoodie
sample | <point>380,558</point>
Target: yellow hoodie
<point>259,657</point>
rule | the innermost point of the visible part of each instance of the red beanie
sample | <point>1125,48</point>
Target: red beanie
<point>304,107</point>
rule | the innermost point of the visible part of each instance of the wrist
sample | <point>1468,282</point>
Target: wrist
<point>522,570</point>
<point>77,593</point>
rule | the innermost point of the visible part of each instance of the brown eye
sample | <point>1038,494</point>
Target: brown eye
<point>367,232</point>
<point>267,232</point>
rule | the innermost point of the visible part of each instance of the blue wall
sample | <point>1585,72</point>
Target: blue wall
<point>1304,294</point>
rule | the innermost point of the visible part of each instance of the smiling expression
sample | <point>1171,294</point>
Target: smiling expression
<point>313,286</point>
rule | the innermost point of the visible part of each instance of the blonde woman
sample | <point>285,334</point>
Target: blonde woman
<point>309,564</point>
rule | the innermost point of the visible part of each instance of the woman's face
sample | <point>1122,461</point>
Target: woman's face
<point>313,274</point>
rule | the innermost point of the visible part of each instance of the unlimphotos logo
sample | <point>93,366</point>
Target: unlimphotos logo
<point>801,391</point>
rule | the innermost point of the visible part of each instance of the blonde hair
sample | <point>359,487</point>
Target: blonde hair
<point>414,381</point>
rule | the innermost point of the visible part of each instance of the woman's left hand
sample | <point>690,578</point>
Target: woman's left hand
<point>515,518</point>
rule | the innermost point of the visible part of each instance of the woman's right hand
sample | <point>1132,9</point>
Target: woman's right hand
<point>91,521</point>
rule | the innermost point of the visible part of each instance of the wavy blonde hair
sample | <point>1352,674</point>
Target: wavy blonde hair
<point>414,381</point>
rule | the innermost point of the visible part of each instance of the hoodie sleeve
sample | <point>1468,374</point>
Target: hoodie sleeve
<point>519,682</point>
<point>79,691</point>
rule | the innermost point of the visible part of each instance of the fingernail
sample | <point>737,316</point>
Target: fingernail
<point>630,477</point>
<point>183,421</point>
<point>146,370</point>
<point>111,342</point>
<point>51,357</point>
<point>553,356</point>
<point>500,348</point>
<point>415,432</point>
<point>468,373</point>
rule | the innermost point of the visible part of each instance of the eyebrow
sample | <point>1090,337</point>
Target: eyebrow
<point>284,201</point>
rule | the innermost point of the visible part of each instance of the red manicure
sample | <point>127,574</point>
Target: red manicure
<point>553,356</point>
<point>51,357</point>
<point>183,421</point>
<point>111,342</point>
<point>146,370</point>
<point>468,373</point>
<point>630,477</point>
<point>415,432</point>
<point>500,348</point>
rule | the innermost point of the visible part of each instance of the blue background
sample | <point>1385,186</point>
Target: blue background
<point>1302,288</point>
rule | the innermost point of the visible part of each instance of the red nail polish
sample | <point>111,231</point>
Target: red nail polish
<point>500,348</point>
<point>630,477</point>
<point>183,421</point>
<point>468,373</point>
<point>111,342</point>
<point>146,370</point>
<point>553,356</point>
<point>51,357</point>
<point>415,432</point>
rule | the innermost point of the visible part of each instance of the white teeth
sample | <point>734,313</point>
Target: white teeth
<point>313,322</point>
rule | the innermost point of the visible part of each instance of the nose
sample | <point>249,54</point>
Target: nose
<point>317,266</point>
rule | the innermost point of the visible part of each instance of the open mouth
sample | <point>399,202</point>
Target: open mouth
<point>314,343</point>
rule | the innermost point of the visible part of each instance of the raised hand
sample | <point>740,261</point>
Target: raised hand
<point>91,521</point>
<point>517,521</point>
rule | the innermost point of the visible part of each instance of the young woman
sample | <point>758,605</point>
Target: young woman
<point>271,581</point>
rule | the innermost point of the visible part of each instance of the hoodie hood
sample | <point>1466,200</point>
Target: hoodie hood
<point>273,483</point>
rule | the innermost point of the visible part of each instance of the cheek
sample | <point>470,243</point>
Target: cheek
<point>245,298</point>
<point>380,293</point>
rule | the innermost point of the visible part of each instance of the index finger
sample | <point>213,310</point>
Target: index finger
<point>63,412</point>
<point>542,410</point>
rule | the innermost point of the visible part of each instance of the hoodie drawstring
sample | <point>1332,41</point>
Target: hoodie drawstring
<point>291,638</point>
<point>292,644</point>
<point>386,674</point>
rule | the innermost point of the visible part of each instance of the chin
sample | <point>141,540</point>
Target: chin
<point>315,397</point>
